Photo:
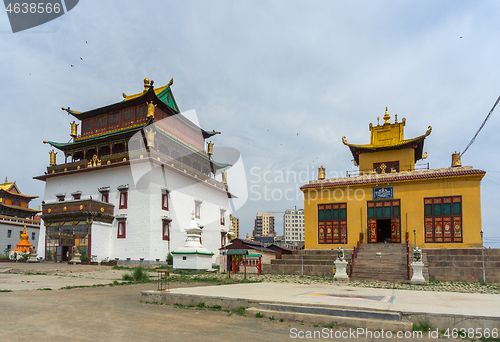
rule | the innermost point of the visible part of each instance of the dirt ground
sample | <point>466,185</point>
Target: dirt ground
<point>115,313</point>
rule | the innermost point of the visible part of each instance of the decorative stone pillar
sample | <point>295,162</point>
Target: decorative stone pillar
<point>340,266</point>
<point>341,270</point>
<point>417,267</point>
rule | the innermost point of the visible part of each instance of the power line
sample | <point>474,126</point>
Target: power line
<point>481,127</point>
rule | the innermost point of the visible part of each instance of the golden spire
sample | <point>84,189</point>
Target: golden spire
<point>6,181</point>
<point>146,85</point>
<point>74,127</point>
<point>386,117</point>
<point>224,177</point>
<point>52,157</point>
<point>321,172</point>
<point>210,149</point>
<point>151,110</point>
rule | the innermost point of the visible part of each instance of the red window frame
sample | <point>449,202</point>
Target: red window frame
<point>164,200</point>
<point>222,217</point>
<point>123,226</point>
<point>166,231</point>
<point>123,200</point>
<point>105,197</point>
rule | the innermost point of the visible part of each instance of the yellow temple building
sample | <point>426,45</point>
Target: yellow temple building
<point>391,198</point>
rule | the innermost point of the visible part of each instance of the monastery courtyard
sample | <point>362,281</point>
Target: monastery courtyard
<point>116,313</point>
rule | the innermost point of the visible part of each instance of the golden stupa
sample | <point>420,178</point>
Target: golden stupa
<point>23,245</point>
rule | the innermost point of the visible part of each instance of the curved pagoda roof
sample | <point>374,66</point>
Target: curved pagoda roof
<point>162,97</point>
<point>389,137</point>
<point>12,189</point>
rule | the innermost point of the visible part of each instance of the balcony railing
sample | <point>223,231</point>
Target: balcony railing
<point>416,167</point>
<point>134,156</point>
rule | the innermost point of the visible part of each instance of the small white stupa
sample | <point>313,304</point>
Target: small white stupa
<point>192,255</point>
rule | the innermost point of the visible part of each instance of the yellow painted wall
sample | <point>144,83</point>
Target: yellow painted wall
<point>406,158</point>
<point>411,194</point>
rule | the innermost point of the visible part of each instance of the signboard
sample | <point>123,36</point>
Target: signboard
<point>383,193</point>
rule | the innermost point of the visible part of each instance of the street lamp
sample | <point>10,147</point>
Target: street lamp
<point>414,238</point>
<point>482,252</point>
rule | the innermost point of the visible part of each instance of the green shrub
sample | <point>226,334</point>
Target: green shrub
<point>139,274</point>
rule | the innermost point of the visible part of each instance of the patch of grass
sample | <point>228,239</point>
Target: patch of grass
<point>5,290</point>
<point>46,288</point>
<point>177,305</point>
<point>489,339</point>
<point>421,326</point>
<point>316,325</point>
<point>138,275</point>
<point>215,307</point>
<point>258,315</point>
<point>201,304</point>
<point>240,311</point>
<point>282,320</point>
<point>271,318</point>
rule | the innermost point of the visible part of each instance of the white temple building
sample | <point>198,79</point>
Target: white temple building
<point>130,179</point>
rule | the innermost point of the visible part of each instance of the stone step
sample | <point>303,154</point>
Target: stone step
<point>390,265</point>
<point>356,318</point>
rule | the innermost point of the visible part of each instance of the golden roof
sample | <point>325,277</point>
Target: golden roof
<point>387,135</point>
<point>7,186</point>
<point>147,84</point>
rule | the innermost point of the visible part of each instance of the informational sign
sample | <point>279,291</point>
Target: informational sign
<point>383,193</point>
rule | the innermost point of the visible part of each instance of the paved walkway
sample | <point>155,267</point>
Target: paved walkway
<point>470,304</point>
<point>23,276</point>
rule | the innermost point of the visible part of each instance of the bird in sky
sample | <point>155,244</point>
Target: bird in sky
<point>72,65</point>
<point>81,58</point>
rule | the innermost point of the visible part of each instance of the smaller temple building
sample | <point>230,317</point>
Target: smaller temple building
<point>15,214</point>
<point>391,197</point>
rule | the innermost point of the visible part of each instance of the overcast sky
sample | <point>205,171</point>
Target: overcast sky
<point>282,80</point>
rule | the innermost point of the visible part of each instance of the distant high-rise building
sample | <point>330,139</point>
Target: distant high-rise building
<point>293,225</point>
<point>264,225</point>
<point>235,227</point>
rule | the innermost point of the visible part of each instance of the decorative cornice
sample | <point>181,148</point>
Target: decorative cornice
<point>397,177</point>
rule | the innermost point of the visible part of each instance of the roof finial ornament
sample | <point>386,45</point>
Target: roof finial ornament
<point>396,118</point>
<point>146,85</point>
<point>378,123</point>
<point>210,149</point>
<point>6,181</point>
<point>386,117</point>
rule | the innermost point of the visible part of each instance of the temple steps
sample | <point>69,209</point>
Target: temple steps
<point>389,265</point>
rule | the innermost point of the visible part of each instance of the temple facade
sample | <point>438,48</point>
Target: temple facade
<point>391,198</point>
<point>15,214</point>
<point>132,174</point>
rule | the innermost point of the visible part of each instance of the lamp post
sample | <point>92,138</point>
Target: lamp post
<point>414,238</point>
<point>482,252</point>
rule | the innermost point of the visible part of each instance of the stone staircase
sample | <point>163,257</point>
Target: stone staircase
<point>389,265</point>
<point>316,262</point>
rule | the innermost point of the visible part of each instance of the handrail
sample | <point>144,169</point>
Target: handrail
<point>412,167</point>
<point>407,257</point>
<point>355,254</point>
